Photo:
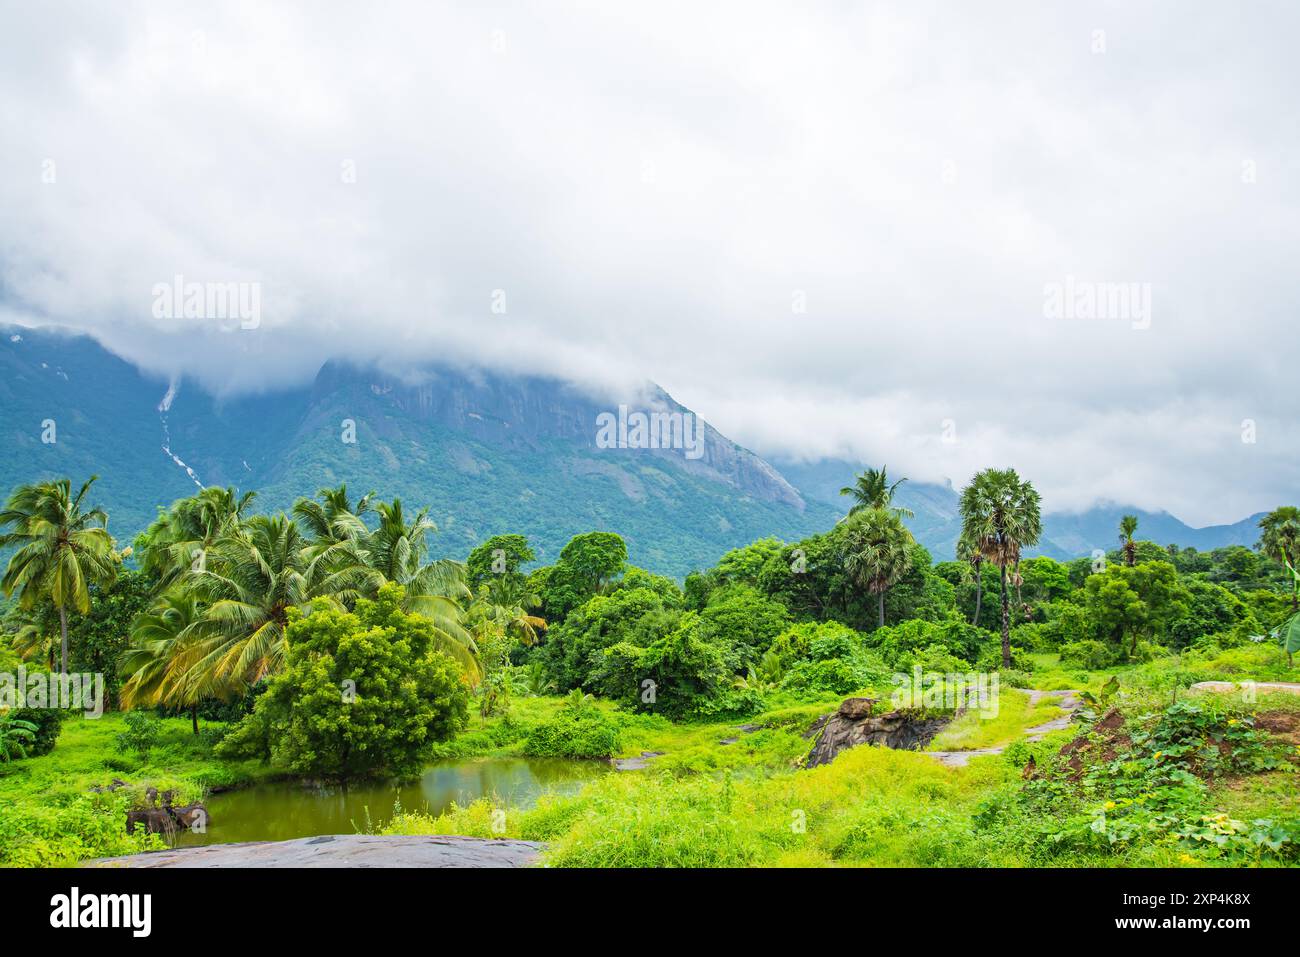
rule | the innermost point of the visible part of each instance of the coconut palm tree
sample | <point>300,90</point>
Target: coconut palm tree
<point>508,601</point>
<point>872,490</point>
<point>250,581</point>
<point>334,518</point>
<point>162,657</point>
<point>438,590</point>
<point>1280,541</point>
<point>1001,516</point>
<point>179,539</point>
<point>1128,526</point>
<point>61,550</point>
<point>877,551</point>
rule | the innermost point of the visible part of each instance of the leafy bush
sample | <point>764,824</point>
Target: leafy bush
<point>574,734</point>
<point>1088,654</point>
<point>48,722</point>
<point>1013,678</point>
<point>16,737</point>
<point>990,658</point>
<point>363,694</point>
<point>141,734</point>
<point>683,674</point>
<point>836,675</point>
<point>935,658</point>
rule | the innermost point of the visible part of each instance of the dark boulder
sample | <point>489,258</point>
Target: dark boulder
<point>854,724</point>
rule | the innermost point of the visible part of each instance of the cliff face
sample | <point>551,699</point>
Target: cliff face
<point>530,414</point>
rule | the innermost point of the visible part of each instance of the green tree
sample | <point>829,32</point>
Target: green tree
<point>872,490</point>
<point>594,558</point>
<point>744,618</point>
<point>333,520</point>
<point>500,555</point>
<point>61,550</point>
<point>395,552</point>
<point>877,552</point>
<point>249,582</point>
<point>1115,610</point>
<point>1280,540</point>
<point>1001,515</point>
<point>363,694</point>
<point>969,551</point>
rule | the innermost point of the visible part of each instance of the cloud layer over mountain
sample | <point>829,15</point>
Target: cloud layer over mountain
<point>829,229</point>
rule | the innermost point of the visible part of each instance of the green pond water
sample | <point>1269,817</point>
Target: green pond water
<point>282,811</point>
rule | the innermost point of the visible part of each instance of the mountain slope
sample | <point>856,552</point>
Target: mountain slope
<point>487,453</point>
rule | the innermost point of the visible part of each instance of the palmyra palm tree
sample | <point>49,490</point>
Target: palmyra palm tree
<point>877,552</point>
<point>1128,526</point>
<point>61,550</point>
<point>872,490</point>
<point>1001,516</point>
<point>1280,541</point>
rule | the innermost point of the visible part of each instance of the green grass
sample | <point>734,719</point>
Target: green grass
<point>982,729</point>
<point>705,803</point>
<point>49,816</point>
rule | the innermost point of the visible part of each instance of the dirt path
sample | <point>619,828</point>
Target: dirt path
<point>1069,702</point>
<point>1287,686</point>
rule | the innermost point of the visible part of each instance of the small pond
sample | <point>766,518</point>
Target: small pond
<point>282,811</point>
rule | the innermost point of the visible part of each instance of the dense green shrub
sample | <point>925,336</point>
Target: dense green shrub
<point>141,734</point>
<point>840,676</point>
<point>990,658</point>
<point>48,722</point>
<point>574,734</point>
<point>683,674</point>
<point>936,658</point>
<point>1087,654</point>
<point>363,694</point>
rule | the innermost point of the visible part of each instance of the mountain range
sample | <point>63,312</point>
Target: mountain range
<point>486,452</point>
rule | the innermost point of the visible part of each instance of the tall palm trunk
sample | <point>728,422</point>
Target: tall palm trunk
<point>979,589</point>
<point>881,600</point>
<point>1020,602</point>
<point>63,628</point>
<point>1006,621</point>
<point>194,717</point>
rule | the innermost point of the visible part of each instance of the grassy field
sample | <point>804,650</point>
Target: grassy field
<point>717,795</point>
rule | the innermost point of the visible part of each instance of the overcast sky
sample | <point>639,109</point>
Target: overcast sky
<point>829,229</point>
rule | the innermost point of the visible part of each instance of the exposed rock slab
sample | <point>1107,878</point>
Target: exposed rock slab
<point>854,724</point>
<point>342,850</point>
<point>635,764</point>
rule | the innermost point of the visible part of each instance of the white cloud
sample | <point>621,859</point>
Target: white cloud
<point>654,186</point>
